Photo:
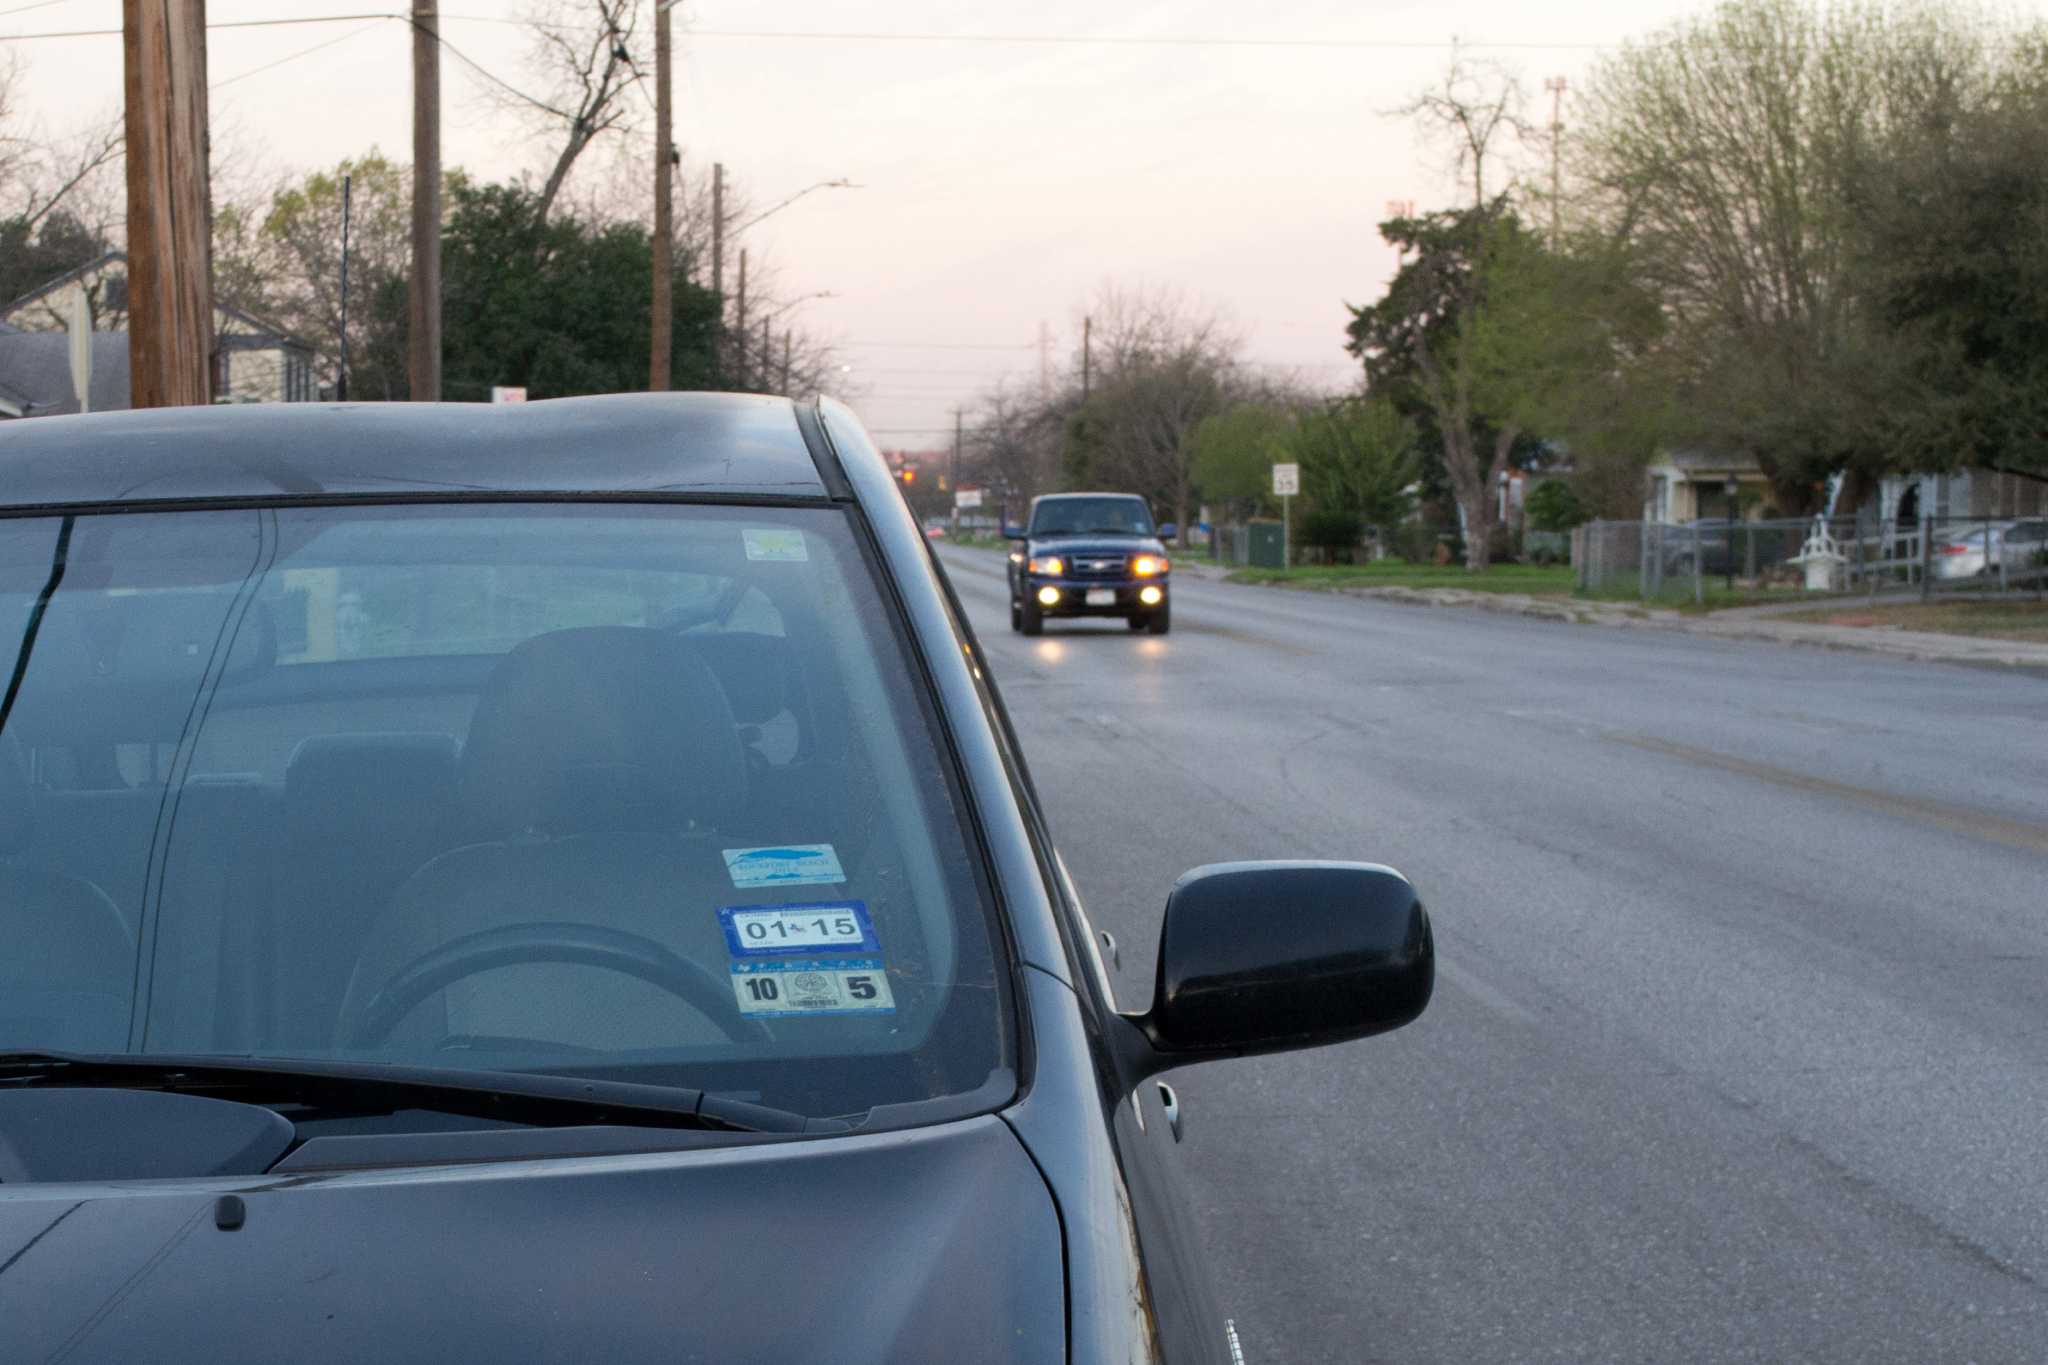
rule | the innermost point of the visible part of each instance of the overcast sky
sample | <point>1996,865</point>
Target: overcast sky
<point>1003,181</point>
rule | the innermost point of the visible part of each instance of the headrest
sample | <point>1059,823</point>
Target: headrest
<point>17,809</point>
<point>338,784</point>
<point>600,728</point>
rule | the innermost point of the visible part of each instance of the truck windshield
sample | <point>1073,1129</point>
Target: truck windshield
<point>1091,516</point>
<point>639,792</point>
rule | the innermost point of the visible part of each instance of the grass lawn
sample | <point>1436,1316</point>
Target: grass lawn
<point>1553,580</point>
<point>2019,619</point>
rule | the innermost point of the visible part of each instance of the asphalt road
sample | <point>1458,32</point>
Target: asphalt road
<point>1739,1049</point>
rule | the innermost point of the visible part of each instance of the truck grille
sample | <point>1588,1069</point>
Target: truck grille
<point>1097,566</point>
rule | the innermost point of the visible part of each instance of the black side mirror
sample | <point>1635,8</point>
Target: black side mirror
<point>1013,532</point>
<point>1268,957</point>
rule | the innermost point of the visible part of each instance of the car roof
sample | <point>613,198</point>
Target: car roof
<point>678,443</point>
<point>1061,497</point>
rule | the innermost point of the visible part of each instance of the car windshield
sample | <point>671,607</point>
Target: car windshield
<point>645,793</point>
<point>1091,516</point>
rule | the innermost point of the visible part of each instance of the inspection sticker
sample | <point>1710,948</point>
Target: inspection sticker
<point>789,865</point>
<point>775,546</point>
<point>839,985</point>
<point>817,927</point>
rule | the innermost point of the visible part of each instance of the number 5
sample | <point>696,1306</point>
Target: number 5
<point>861,987</point>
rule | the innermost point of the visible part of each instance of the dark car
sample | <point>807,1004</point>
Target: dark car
<point>1090,554</point>
<point>556,882</point>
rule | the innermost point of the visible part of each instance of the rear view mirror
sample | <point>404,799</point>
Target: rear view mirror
<point>1013,532</point>
<point>1268,957</point>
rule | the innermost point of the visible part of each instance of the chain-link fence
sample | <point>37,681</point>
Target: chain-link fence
<point>1663,561</point>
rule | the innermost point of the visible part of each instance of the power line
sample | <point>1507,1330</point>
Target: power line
<point>943,345</point>
<point>24,9</point>
<point>368,15</point>
<point>302,52</point>
<point>1122,40</point>
<point>1077,39</point>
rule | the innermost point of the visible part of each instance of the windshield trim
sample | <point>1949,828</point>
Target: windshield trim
<point>284,501</point>
<point>997,1089</point>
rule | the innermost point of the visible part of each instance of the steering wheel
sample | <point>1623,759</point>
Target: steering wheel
<point>371,1022</point>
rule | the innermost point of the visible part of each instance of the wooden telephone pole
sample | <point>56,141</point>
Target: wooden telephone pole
<point>661,327</point>
<point>739,329</point>
<point>718,261</point>
<point>170,218</point>
<point>423,290</point>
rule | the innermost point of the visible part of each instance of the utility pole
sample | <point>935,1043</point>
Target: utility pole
<point>341,337</point>
<point>170,245</point>
<point>1556,86</point>
<point>953,483</point>
<point>788,357</point>
<point>739,330</point>
<point>423,290</point>
<point>1044,362</point>
<point>661,327</point>
<point>718,257</point>
<point>767,352</point>
<point>1087,355</point>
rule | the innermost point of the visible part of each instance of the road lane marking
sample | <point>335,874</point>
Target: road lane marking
<point>1956,819</point>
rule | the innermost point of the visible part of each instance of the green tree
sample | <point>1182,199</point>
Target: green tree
<point>556,304</point>
<point>1723,151</point>
<point>1553,506</point>
<point>281,261</point>
<point>1955,243</point>
<point>1235,451</point>
<point>32,252</point>
<point>1425,337</point>
<point>1358,459</point>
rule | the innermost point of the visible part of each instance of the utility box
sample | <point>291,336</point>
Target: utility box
<point>1268,545</point>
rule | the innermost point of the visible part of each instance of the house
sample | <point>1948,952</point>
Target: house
<point>254,361</point>
<point>1911,498</point>
<point>1685,485</point>
<point>35,373</point>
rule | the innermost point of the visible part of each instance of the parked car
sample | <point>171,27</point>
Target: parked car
<point>2023,549</point>
<point>1089,554</point>
<point>1966,553</point>
<point>557,882</point>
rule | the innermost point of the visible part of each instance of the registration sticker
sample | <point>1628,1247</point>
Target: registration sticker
<point>816,927</point>
<point>775,546</point>
<point>789,865</point>
<point>839,985</point>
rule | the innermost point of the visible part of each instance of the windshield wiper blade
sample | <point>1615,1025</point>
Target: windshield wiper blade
<point>514,1096</point>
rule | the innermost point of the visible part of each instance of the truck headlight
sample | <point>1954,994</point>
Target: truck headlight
<point>1150,566</point>
<point>1051,564</point>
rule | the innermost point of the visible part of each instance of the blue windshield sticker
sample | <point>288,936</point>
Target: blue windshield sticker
<point>789,865</point>
<point>816,927</point>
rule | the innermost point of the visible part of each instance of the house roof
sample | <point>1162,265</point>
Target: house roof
<point>35,371</point>
<point>1694,460</point>
<point>108,258</point>
<point>50,286</point>
<point>617,446</point>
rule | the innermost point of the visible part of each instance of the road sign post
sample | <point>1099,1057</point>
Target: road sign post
<point>1286,483</point>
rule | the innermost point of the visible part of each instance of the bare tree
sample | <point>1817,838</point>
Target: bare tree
<point>40,175</point>
<point>587,54</point>
<point>1473,111</point>
<point>1163,363</point>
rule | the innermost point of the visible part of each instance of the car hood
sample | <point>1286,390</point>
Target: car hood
<point>1069,546</point>
<point>937,1244</point>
